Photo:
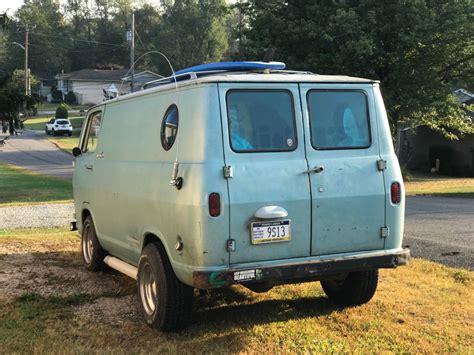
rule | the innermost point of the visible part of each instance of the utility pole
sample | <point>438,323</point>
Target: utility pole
<point>132,52</point>
<point>27,71</point>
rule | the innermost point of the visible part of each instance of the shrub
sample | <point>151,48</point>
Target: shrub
<point>56,95</point>
<point>70,98</point>
<point>61,111</point>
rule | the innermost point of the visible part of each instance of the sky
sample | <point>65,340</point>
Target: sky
<point>13,5</point>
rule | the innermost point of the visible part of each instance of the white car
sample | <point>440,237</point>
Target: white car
<point>57,126</point>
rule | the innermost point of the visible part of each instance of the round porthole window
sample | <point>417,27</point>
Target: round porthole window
<point>169,127</point>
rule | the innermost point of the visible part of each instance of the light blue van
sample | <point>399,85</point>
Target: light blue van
<point>251,176</point>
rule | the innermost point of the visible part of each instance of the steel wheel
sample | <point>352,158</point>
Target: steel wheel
<point>165,302</point>
<point>148,292</point>
<point>88,244</point>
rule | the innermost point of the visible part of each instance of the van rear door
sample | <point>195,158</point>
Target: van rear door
<point>348,193</point>
<point>268,192</point>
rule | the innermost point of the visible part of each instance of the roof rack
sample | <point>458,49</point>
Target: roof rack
<point>195,75</point>
<point>179,77</point>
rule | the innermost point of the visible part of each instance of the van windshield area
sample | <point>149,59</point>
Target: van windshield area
<point>338,119</point>
<point>261,120</point>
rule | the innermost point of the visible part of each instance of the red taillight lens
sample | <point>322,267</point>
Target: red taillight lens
<point>214,204</point>
<point>396,193</point>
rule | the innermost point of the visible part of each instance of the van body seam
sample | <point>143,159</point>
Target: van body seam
<point>225,164</point>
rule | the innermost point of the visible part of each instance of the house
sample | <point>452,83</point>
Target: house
<point>45,85</point>
<point>426,150</point>
<point>92,86</point>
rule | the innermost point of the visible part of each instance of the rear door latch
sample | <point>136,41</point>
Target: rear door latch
<point>381,164</point>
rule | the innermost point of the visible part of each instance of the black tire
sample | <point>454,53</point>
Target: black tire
<point>167,303</point>
<point>55,133</point>
<point>357,288</point>
<point>46,131</point>
<point>69,134</point>
<point>92,253</point>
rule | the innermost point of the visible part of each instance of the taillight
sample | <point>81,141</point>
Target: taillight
<point>396,193</point>
<point>214,204</point>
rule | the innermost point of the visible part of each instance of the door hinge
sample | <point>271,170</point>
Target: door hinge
<point>381,164</point>
<point>384,232</point>
<point>228,172</point>
<point>231,245</point>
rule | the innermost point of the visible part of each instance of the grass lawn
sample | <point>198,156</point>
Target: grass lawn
<point>424,307</point>
<point>440,186</point>
<point>66,143</point>
<point>38,123</point>
<point>18,185</point>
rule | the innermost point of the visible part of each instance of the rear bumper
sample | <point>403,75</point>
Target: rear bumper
<point>307,270</point>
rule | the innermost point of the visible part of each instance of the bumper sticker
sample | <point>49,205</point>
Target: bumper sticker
<point>245,275</point>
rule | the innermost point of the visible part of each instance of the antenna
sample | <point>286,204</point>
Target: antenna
<point>175,180</point>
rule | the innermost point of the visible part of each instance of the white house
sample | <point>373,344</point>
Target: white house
<point>92,86</point>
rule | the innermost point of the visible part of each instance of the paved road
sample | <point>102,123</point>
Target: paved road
<point>31,151</point>
<point>441,229</point>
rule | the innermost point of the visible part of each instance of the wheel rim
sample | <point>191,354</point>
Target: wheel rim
<point>148,289</point>
<point>87,244</point>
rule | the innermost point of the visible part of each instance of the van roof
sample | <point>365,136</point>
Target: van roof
<point>274,76</point>
<point>281,76</point>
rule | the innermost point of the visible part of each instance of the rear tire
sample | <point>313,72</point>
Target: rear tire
<point>54,133</point>
<point>166,302</point>
<point>69,134</point>
<point>46,131</point>
<point>357,288</point>
<point>92,253</point>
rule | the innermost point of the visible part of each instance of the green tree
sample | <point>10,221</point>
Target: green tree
<point>48,38</point>
<point>420,50</point>
<point>193,32</point>
<point>12,100</point>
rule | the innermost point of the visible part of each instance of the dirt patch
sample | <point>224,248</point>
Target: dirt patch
<point>54,268</point>
<point>111,310</point>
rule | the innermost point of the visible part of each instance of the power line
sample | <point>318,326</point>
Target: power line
<point>79,40</point>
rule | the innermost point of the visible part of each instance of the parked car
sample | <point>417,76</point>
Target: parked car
<point>251,175</point>
<point>56,126</point>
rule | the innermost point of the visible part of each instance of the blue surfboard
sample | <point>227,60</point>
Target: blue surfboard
<point>233,66</point>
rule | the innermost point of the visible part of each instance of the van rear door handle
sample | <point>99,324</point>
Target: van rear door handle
<point>269,212</point>
<point>89,166</point>
<point>316,169</point>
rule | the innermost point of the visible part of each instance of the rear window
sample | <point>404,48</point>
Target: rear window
<point>261,121</point>
<point>338,119</point>
<point>62,122</point>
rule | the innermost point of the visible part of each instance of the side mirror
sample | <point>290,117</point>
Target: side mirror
<point>76,151</point>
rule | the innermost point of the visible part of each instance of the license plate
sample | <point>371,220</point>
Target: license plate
<point>270,232</point>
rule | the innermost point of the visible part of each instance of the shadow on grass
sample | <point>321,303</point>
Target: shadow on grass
<point>229,308</point>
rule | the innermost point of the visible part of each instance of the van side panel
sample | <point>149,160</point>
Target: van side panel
<point>133,180</point>
<point>395,214</point>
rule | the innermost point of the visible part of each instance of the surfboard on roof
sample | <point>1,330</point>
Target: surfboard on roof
<point>233,66</point>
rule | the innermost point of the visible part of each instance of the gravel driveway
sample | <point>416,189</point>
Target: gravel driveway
<point>36,216</point>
